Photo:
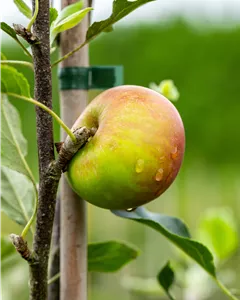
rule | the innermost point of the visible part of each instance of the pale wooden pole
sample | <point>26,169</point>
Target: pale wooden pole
<point>73,245</point>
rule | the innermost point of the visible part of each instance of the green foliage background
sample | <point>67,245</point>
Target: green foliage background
<point>204,64</point>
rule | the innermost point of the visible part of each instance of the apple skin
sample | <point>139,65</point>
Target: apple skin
<point>136,152</point>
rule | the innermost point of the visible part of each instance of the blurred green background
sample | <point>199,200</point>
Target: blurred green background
<point>204,64</point>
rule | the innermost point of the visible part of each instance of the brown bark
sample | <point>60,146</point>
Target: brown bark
<point>54,288</point>
<point>47,186</point>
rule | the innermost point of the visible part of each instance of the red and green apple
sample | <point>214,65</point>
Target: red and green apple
<point>136,152</point>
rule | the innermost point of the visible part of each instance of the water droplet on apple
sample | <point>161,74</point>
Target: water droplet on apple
<point>139,166</point>
<point>130,209</point>
<point>159,175</point>
<point>174,153</point>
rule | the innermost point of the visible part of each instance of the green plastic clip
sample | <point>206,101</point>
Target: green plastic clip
<point>90,78</point>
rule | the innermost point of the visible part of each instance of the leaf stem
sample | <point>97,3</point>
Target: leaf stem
<point>54,278</point>
<point>17,62</point>
<point>52,113</point>
<point>30,222</point>
<point>24,48</point>
<point>34,15</point>
<point>225,290</point>
<point>69,54</point>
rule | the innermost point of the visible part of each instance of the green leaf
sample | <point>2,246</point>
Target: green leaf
<point>3,57</point>
<point>17,196</point>
<point>218,230</point>
<point>67,23</point>
<point>166,279</point>
<point>69,10</point>
<point>23,8</point>
<point>72,20</point>
<point>109,256</point>
<point>9,30</point>
<point>174,230</point>
<point>53,14</point>
<point>13,81</point>
<point>121,8</point>
<point>13,143</point>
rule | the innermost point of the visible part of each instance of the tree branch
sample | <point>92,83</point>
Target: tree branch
<point>54,287</point>
<point>47,184</point>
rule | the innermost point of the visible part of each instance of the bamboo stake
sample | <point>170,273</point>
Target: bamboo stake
<point>73,244</point>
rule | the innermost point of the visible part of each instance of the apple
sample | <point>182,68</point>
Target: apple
<point>136,152</point>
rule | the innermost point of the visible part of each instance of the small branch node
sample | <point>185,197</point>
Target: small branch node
<point>69,148</point>
<point>22,248</point>
<point>25,34</point>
